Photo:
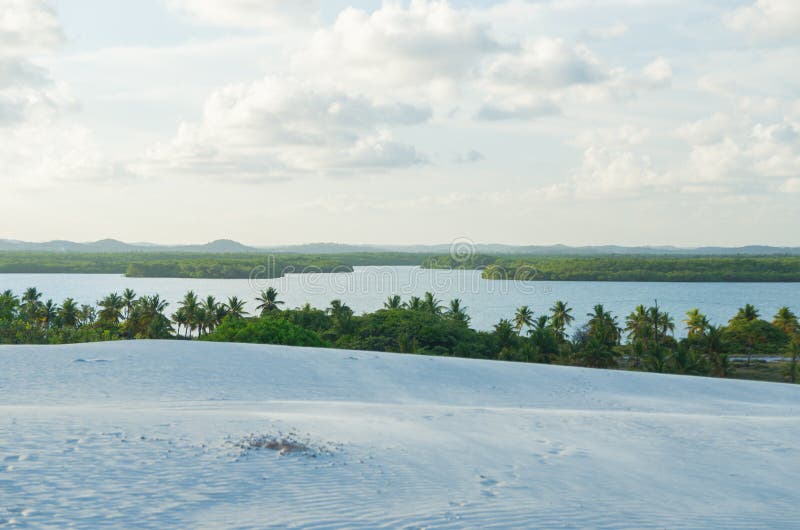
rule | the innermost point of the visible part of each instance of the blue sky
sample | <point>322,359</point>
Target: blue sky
<point>514,121</point>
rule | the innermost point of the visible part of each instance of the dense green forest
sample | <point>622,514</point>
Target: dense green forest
<point>629,268</point>
<point>183,265</point>
<point>644,340</point>
<point>589,268</point>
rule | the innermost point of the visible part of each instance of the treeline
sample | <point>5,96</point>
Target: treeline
<point>183,265</point>
<point>629,268</point>
<point>644,340</point>
<point>240,266</point>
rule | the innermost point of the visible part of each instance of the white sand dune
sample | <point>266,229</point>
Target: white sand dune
<point>149,435</point>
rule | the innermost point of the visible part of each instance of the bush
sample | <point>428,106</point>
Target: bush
<point>264,330</point>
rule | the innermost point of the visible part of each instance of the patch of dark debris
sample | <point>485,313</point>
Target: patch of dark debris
<point>284,444</point>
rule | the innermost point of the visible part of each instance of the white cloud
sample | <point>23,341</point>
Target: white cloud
<point>767,18</point>
<point>470,157</point>
<point>27,26</point>
<point>38,148</point>
<point>279,127</point>
<point>658,73</point>
<point>775,149</point>
<point>517,107</point>
<point>743,156</point>
<point>426,47</point>
<point>546,63</point>
<point>271,14</point>
<point>707,130</point>
<point>613,31</point>
<point>791,185</point>
<point>43,153</point>
<point>545,74</point>
<point>613,165</point>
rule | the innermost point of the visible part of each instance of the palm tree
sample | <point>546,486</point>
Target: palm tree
<point>181,318</point>
<point>665,323</point>
<point>603,326</point>
<point>637,324</point>
<point>111,308</point>
<point>235,308</point>
<point>68,314</point>
<point>414,303</point>
<point>147,319</point>
<point>561,318</point>
<point>209,308</point>
<point>505,336</point>
<point>8,305</point>
<point>431,304</point>
<point>269,301</point>
<point>523,318</point>
<point>597,353</point>
<point>128,300</point>
<point>48,314</point>
<point>342,316</point>
<point>713,347</point>
<point>393,302</point>
<point>458,312</point>
<point>32,295</point>
<point>31,304</point>
<point>696,322</point>
<point>189,309</point>
<point>87,315</point>
<point>786,321</point>
<point>748,313</point>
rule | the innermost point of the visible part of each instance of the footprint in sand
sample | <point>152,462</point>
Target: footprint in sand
<point>488,484</point>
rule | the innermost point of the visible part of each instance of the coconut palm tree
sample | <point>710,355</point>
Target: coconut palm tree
<point>523,318</point>
<point>748,313</point>
<point>561,318</point>
<point>128,301</point>
<point>68,315</point>
<point>786,321</point>
<point>414,303</point>
<point>147,319</point>
<point>180,318</point>
<point>431,304</point>
<point>111,308</point>
<point>458,312</point>
<point>9,304</point>
<point>638,326</point>
<point>30,304</point>
<point>713,348</point>
<point>393,302</point>
<point>87,315</point>
<point>48,313</point>
<point>269,301</point>
<point>235,308</point>
<point>665,323</point>
<point>342,316</point>
<point>209,313</point>
<point>505,336</point>
<point>696,322</point>
<point>603,325</point>
<point>189,308</point>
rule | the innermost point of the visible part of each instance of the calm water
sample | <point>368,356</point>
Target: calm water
<point>487,300</point>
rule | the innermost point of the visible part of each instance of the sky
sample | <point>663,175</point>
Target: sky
<point>632,122</point>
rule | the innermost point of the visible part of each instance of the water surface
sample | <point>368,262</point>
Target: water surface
<point>487,300</point>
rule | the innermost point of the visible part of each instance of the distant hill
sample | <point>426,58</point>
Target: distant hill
<point>228,246</point>
<point>220,246</point>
